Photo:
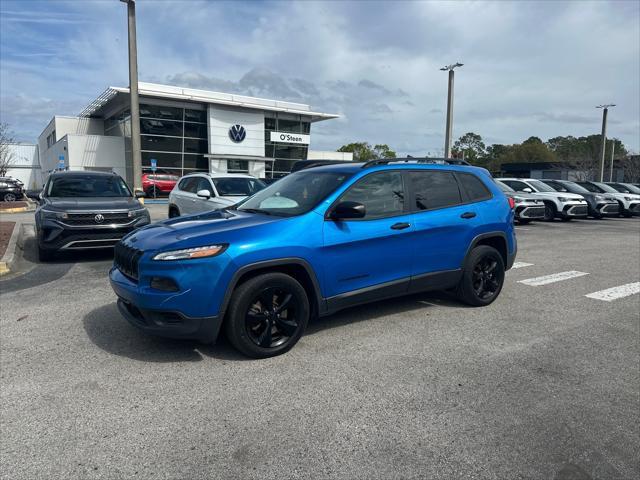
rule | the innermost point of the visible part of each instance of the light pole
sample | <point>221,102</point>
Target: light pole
<point>613,151</point>
<point>603,140</point>
<point>133,94</point>
<point>447,134</point>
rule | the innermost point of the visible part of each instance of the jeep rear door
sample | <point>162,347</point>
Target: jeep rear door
<point>445,218</point>
<point>373,251</point>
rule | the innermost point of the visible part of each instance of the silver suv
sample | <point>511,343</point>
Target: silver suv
<point>562,205</point>
<point>527,206</point>
<point>203,192</point>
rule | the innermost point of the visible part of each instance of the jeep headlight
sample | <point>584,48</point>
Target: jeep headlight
<point>599,198</point>
<point>564,199</point>
<point>518,199</point>
<point>628,199</point>
<point>191,253</point>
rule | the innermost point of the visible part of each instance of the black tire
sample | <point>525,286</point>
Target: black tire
<point>152,192</point>
<point>482,278</point>
<point>44,255</point>
<point>174,212</point>
<point>257,322</point>
<point>10,197</point>
<point>549,212</point>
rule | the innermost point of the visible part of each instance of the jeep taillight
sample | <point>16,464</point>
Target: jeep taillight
<point>512,202</point>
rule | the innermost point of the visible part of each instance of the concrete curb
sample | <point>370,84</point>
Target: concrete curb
<point>9,257</point>
<point>17,210</point>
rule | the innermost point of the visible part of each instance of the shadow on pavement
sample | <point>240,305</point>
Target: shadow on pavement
<point>107,329</point>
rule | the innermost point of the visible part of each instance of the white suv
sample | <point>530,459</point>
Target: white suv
<point>203,192</point>
<point>556,204</point>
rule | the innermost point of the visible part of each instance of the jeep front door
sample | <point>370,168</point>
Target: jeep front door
<point>369,257</point>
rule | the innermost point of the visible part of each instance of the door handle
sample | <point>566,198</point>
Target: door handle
<point>468,215</point>
<point>400,226</point>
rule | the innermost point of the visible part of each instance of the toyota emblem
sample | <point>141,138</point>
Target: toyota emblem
<point>99,218</point>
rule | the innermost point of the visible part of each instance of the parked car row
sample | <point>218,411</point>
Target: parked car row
<point>11,189</point>
<point>546,199</point>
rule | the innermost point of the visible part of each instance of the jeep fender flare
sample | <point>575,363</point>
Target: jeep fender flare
<point>320,303</point>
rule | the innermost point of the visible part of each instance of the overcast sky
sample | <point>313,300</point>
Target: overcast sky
<point>531,68</point>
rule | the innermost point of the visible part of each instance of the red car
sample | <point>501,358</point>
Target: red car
<point>156,184</point>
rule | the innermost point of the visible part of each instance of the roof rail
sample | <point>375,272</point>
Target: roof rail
<point>436,161</point>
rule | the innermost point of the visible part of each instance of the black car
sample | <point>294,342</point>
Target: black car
<point>85,210</point>
<point>10,189</point>
<point>598,204</point>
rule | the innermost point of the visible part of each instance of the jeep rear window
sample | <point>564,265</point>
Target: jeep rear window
<point>295,194</point>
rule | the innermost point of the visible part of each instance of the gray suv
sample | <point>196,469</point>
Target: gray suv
<point>85,210</point>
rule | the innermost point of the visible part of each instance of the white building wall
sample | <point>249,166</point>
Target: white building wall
<point>221,119</point>
<point>328,155</point>
<point>86,152</point>
<point>25,165</point>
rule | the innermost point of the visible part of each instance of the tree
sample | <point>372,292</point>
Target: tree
<point>584,153</point>
<point>471,145</point>
<point>363,152</point>
<point>529,152</point>
<point>7,155</point>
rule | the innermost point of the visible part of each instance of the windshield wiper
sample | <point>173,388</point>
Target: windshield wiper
<point>255,210</point>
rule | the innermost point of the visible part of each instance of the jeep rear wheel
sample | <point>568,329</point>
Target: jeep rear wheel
<point>174,212</point>
<point>267,315</point>
<point>482,278</point>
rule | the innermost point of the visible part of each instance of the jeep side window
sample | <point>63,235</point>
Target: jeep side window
<point>434,189</point>
<point>382,194</point>
<point>475,189</point>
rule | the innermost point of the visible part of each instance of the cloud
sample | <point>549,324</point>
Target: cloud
<point>538,70</point>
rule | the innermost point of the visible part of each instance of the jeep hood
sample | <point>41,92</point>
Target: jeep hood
<point>196,230</point>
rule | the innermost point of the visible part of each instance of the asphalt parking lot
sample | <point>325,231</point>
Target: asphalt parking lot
<point>544,383</point>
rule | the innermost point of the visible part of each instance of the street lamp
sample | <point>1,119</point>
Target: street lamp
<point>603,140</point>
<point>447,135</point>
<point>133,95</point>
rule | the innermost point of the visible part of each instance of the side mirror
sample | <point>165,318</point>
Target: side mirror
<point>348,210</point>
<point>140,194</point>
<point>527,190</point>
<point>206,194</point>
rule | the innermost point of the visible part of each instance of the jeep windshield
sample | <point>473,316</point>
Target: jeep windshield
<point>87,186</point>
<point>294,194</point>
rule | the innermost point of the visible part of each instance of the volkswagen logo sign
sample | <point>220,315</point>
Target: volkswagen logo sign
<point>237,133</point>
<point>99,218</point>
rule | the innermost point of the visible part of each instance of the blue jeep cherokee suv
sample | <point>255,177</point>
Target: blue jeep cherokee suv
<point>317,241</point>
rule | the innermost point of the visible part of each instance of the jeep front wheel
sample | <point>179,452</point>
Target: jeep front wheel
<point>267,315</point>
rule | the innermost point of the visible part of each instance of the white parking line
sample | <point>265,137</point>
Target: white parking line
<point>611,294</point>
<point>521,264</point>
<point>554,277</point>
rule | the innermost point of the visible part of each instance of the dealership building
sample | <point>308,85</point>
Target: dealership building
<point>184,130</point>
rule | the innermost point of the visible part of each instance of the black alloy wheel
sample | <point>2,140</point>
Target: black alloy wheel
<point>271,319</point>
<point>10,197</point>
<point>267,315</point>
<point>482,278</point>
<point>485,278</point>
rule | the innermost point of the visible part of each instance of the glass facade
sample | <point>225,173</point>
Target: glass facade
<point>175,137</point>
<point>280,157</point>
